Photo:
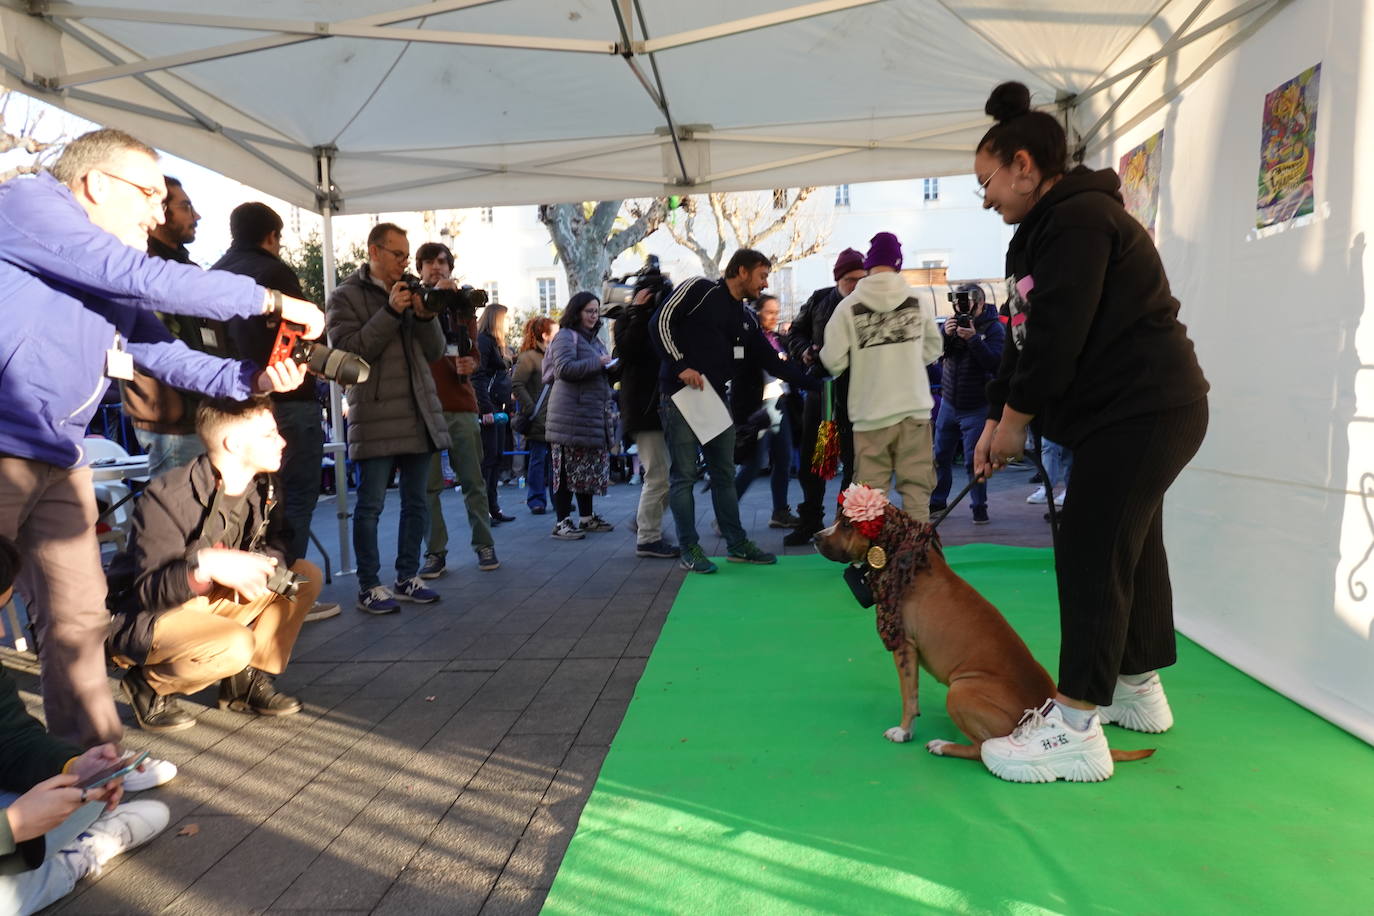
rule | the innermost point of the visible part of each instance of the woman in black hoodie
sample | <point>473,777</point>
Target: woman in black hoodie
<point>1096,360</point>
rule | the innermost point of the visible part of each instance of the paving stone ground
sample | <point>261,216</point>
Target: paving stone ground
<point>445,752</point>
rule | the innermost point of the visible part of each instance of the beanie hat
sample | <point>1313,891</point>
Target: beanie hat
<point>849,260</point>
<point>884,251</point>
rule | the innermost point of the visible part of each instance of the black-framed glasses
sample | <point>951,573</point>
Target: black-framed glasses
<point>151,193</point>
<point>982,190</point>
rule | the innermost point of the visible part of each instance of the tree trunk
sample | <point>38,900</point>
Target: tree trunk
<point>586,241</point>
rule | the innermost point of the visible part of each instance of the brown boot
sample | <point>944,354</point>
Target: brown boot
<point>252,690</point>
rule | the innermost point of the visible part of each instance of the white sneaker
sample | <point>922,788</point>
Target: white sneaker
<point>1037,498</point>
<point>1044,748</point>
<point>1059,496</point>
<point>130,825</point>
<point>155,773</point>
<point>1139,707</point>
<point>567,530</point>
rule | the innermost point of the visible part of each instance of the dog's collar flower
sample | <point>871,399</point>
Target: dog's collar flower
<point>865,508</point>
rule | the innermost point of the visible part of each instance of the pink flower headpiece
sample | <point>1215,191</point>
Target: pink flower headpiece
<point>865,508</point>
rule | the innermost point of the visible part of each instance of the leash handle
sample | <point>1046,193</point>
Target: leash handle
<point>943,514</point>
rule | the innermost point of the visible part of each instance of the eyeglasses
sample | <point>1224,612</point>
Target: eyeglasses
<point>152,194</point>
<point>982,190</point>
<point>399,254</point>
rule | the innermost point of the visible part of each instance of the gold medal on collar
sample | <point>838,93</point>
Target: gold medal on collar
<point>877,557</point>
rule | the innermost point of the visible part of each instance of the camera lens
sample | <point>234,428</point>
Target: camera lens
<point>337,365</point>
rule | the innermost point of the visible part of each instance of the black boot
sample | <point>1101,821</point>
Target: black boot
<point>807,525</point>
<point>154,713</point>
<point>252,690</point>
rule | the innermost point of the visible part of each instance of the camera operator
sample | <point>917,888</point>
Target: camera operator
<point>972,352</point>
<point>640,420</point>
<point>804,342</point>
<point>73,243</point>
<point>201,593</point>
<point>453,381</point>
<point>395,419</point>
<point>255,251</point>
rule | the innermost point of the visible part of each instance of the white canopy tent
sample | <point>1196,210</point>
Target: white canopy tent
<point>365,106</point>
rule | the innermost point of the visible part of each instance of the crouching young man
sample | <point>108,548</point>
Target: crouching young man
<point>203,592</point>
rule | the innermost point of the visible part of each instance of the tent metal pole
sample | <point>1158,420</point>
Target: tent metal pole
<point>324,158</point>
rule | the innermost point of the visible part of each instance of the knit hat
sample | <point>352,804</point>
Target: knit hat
<point>884,251</point>
<point>849,260</point>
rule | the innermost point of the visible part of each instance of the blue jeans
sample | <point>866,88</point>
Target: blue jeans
<point>538,474</point>
<point>682,475</point>
<point>169,450</point>
<point>30,891</point>
<point>952,426</point>
<point>1058,461</point>
<point>776,444</point>
<point>299,423</point>
<point>373,474</point>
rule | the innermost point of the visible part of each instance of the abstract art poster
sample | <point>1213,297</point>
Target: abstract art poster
<point>1288,148</point>
<point>1140,181</point>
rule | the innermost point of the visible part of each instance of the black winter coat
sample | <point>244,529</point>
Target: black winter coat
<point>491,381</point>
<point>152,575</point>
<point>809,329</point>
<point>639,368</point>
<point>253,337</point>
<point>969,364</point>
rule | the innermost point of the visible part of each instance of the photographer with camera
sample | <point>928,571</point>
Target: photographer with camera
<point>453,382</point>
<point>208,589</point>
<point>394,416</point>
<point>83,298</point>
<point>640,420</point>
<point>255,251</point>
<point>972,352</point>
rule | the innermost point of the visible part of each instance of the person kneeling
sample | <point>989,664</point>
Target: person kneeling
<point>203,593</point>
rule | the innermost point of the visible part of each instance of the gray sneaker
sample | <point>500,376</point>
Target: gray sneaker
<point>694,559</point>
<point>567,530</point>
<point>749,552</point>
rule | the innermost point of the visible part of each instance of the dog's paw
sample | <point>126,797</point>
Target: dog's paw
<point>937,746</point>
<point>897,734</point>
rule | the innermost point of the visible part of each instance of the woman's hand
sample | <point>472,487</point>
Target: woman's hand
<point>45,806</point>
<point>982,461</point>
<point>1008,444</point>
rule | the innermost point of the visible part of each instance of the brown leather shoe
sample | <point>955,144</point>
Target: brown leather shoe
<point>154,713</point>
<point>252,690</point>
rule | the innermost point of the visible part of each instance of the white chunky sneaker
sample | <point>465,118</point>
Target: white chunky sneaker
<point>131,824</point>
<point>1037,498</point>
<point>1044,748</point>
<point>155,773</point>
<point>1139,707</point>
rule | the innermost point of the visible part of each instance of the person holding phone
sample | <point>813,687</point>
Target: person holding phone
<point>60,822</point>
<point>579,427</point>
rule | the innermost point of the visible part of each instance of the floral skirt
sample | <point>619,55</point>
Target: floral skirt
<point>587,470</point>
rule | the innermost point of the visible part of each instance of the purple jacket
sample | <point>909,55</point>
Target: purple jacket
<point>66,288</point>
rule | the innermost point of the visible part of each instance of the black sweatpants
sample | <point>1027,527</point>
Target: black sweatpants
<point>812,510</point>
<point>1116,607</point>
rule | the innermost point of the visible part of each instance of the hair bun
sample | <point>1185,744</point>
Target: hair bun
<point>1008,101</point>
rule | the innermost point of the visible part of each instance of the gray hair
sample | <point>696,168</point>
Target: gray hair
<point>90,151</point>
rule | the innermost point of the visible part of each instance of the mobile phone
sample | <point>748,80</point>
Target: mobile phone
<point>121,767</point>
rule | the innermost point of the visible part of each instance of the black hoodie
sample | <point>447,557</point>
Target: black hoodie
<point>1095,336</point>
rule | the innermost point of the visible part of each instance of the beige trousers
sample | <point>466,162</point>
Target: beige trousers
<point>904,450</point>
<point>217,635</point>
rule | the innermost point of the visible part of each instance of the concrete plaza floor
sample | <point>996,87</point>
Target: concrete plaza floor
<point>445,752</point>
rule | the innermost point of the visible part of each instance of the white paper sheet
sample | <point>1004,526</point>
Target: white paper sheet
<point>704,411</point>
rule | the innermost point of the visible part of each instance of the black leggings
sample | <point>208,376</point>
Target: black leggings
<point>563,498</point>
<point>1116,609</point>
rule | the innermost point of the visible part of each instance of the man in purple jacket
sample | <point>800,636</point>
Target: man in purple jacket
<point>78,296</point>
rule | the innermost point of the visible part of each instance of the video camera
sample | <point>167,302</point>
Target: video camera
<point>964,305</point>
<point>619,294</point>
<point>326,362</point>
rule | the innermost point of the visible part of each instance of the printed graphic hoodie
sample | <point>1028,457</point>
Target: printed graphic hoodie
<point>885,337</point>
<point>1095,336</point>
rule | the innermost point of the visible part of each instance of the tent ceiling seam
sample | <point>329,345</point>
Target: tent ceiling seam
<point>995,45</point>
<point>1159,10</point>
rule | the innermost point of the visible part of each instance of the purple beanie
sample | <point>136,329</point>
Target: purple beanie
<point>884,251</point>
<point>850,259</point>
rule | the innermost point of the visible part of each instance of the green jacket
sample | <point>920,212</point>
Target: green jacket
<point>28,755</point>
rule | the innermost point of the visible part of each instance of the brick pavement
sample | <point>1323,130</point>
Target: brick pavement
<point>445,752</point>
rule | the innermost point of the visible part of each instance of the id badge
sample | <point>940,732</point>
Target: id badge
<point>119,364</point>
<point>739,352</point>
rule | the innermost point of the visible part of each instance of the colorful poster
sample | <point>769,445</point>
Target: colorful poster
<point>1288,147</point>
<point>1140,181</point>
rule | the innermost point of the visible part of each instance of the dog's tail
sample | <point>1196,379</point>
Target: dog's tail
<point>1128,756</point>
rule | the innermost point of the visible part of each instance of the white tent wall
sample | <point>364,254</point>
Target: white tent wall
<point>1269,536</point>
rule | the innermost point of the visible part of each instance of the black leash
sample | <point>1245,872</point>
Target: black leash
<point>943,514</point>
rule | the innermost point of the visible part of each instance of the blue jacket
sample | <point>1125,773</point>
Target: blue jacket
<point>970,364</point>
<point>67,287</point>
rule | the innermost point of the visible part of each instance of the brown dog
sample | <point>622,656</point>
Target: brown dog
<point>964,643</point>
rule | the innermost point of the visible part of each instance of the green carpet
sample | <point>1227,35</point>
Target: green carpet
<point>751,776</point>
